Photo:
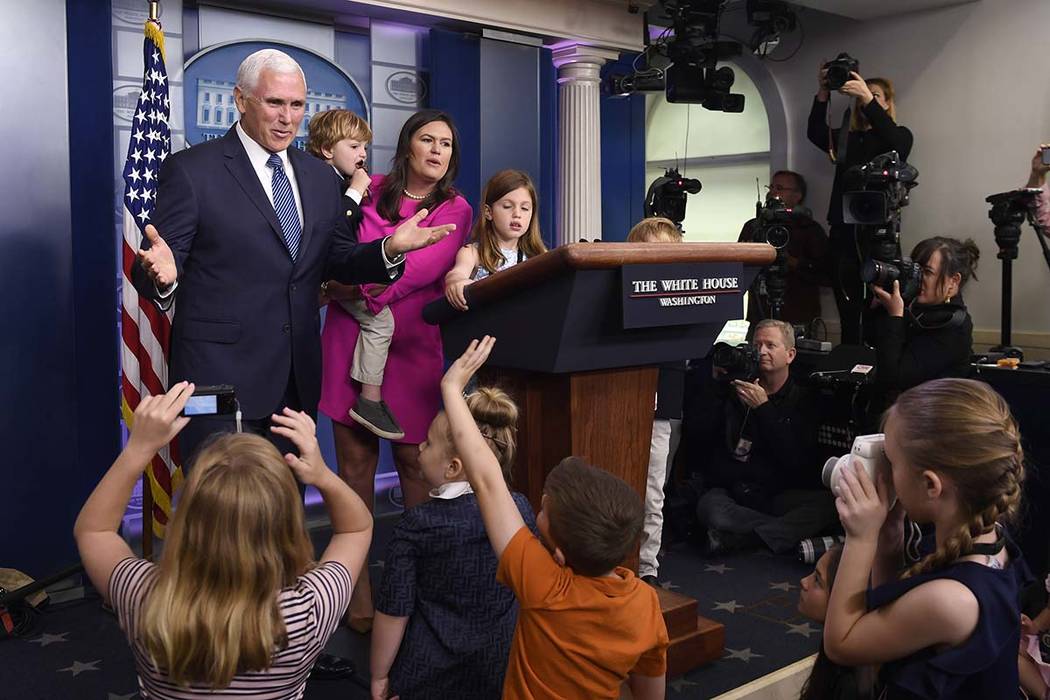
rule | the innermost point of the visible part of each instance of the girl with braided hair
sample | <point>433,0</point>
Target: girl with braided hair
<point>948,628</point>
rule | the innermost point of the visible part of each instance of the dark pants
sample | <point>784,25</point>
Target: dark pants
<point>201,428</point>
<point>845,264</point>
<point>794,515</point>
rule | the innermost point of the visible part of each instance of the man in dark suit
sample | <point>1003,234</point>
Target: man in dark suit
<point>246,230</point>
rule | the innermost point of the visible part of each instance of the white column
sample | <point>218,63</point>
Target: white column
<point>579,141</point>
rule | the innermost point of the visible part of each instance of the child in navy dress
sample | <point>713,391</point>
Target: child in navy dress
<point>948,627</point>
<point>443,625</point>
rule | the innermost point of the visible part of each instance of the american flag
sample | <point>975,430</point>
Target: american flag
<point>145,330</point>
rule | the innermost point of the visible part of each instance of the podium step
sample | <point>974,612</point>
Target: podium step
<point>701,646</point>
<point>679,612</point>
<point>695,640</point>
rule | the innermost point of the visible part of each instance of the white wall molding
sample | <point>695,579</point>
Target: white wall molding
<point>597,22</point>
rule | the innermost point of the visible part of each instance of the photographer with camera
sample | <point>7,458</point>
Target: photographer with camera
<point>781,217</point>
<point>755,430</point>
<point>932,337</point>
<point>1037,178</point>
<point>872,130</point>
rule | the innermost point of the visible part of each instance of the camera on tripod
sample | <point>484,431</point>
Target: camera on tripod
<point>773,222</point>
<point>876,191</point>
<point>874,195</point>
<point>667,195</point>
<point>840,70</point>
<point>735,362</point>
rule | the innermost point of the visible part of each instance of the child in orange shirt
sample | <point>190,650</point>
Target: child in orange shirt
<point>585,624</point>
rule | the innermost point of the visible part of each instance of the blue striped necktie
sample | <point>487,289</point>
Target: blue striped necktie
<point>284,205</point>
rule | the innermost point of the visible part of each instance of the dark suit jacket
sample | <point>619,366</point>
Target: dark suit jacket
<point>246,314</point>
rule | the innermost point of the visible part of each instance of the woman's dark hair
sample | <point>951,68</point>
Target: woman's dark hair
<point>956,257</point>
<point>826,675</point>
<point>389,202</point>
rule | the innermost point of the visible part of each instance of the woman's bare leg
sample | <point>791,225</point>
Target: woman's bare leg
<point>357,452</point>
<point>413,488</point>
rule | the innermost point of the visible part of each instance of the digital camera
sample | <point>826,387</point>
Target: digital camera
<point>840,70</point>
<point>736,362</point>
<point>867,450</point>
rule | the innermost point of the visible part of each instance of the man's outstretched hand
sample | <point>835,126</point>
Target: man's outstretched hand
<point>411,236</point>
<point>158,261</point>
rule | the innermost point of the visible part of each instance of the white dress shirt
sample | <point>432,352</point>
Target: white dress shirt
<point>258,156</point>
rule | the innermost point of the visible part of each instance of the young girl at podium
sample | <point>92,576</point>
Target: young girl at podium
<point>506,233</point>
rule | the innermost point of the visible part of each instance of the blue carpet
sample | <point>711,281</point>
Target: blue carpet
<point>76,650</point>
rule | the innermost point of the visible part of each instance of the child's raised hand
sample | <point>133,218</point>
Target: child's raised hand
<point>862,504</point>
<point>469,362</point>
<point>309,467</point>
<point>1027,626</point>
<point>157,420</point>
<point>455,294</point>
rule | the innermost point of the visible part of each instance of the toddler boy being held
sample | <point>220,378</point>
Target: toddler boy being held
<point>340,138</point>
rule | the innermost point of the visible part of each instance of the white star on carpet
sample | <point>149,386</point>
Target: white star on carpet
<point>79,667</point>
<point>805,629</point>
<point>744,655</point>
<point>782,586</point>
<point>677,685</point>
<point>45,639</point>
<point>380,563</point>
<point>729,606</point>
<point>668,586</point>
<point>717,568</point>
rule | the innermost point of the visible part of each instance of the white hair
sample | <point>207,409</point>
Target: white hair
<point>265,59</point>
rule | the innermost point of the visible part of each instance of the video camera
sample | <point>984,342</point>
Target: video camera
<point>667,195</point>
<point>875,192</point>
<point>736,362</point>
<point>839,70</point>
<point>685,66</point>
<point>874,195</point>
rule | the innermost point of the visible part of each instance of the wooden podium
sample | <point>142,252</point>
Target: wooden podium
<point>577,343</point>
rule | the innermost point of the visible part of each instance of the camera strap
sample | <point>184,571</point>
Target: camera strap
<point>837,147</point>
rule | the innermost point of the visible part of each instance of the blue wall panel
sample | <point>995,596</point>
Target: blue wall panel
<point>548,148</point>
<point>510,108</point>
<point>455,87</point>
<point>623,158</point>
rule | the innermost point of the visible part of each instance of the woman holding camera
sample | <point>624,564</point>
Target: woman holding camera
<point>933,337</point>
<point>872,131</point>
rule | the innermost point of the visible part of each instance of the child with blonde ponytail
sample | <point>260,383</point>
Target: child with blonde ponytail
<point>443,625</point>
<point>949,627</point>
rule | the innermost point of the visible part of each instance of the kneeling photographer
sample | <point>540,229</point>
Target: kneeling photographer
<point>754,429</point>
<point>932,336</point>
<point>789,290</point>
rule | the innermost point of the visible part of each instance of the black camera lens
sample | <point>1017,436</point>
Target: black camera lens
<point>880,273</point>
<point>778,236</point>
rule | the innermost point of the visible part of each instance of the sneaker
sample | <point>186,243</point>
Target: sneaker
<point>375,416</point>
<point>651,580</point>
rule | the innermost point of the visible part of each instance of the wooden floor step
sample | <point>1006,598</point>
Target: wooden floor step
<point>704,644</point>
<point>679,612</point>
